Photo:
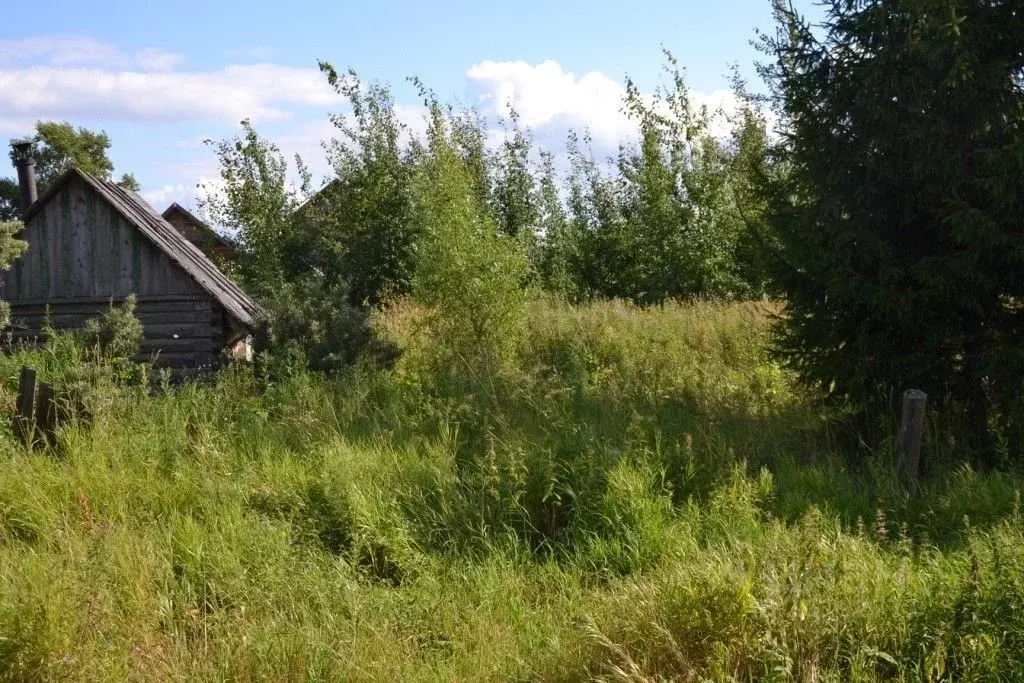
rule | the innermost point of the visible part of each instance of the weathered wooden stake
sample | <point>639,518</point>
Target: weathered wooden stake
<point>911,433</point>
<point>24,419</point>
<point>46,413</point>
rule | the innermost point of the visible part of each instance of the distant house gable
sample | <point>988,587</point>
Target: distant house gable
<point>199,232</point>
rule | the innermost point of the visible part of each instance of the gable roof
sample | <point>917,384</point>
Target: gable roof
<point>312,199</point>
<point>167,239</point>
<point>216,238</point>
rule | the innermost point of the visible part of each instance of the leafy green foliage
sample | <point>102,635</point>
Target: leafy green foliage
<point>10,248</point>
<point>677,223</point>
<point>468,274</point>
<point>116,336</point>
<point>57,146</point>
<point>291,255</point>
<point>359,227</point>
<point>515,197</point>
<point>555,248</point>
<point>899,216</point>
<point>677,217</point>
<point>314,325</point>
<point>89,366</point>
<point>593,245</point>
<point>256,202</point>
<point>109,343</point>
<point>10,200</point>
<point>752,168</point>
<point>129,182</point>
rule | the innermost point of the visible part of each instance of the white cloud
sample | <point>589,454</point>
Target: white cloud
<point>83,51</point>
<point>547,95</point>
<point>550,99</point>
<point>162,197</point>
<point>257,91</point>
<point>79,77</point>
<point>152,59</point>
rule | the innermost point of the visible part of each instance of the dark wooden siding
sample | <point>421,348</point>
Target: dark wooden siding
<point>177,332</point>
<point>80,247</point>
<point>198,234</point>
<point>185,226</point>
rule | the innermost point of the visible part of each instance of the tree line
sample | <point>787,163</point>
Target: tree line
<point>470,229</point>
<point>667,218</point>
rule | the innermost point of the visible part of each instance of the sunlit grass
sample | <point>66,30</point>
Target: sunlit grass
<point>640,495</point>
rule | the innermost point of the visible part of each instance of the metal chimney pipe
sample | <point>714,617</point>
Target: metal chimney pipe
<point>26,166</point>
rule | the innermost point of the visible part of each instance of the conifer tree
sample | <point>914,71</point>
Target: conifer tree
<point>901,216</point>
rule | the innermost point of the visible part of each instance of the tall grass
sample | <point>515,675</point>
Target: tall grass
<point>640,495</point>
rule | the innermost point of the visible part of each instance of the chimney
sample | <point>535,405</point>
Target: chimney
<point>26,165</point>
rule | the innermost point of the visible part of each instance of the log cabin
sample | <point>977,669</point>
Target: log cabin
<point>92,243</point>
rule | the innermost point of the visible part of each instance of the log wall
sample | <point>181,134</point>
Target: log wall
<point>177,332</point>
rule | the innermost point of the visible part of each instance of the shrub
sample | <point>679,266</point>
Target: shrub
<point>313,324</point>
<point>86,366</point>
<point>106,345</point>
<point>115,338</point>
<point>468,275</point>
<point>10,249</point>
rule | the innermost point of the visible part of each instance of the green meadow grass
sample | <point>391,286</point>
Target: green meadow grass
<point>640,495</point>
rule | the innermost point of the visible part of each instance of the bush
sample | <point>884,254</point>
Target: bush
<point>10,249</point>
<point>106,346</point>
<point>115,338</point>
<point>313,325</point>
<point>468,275</point>
<point>88,367</point>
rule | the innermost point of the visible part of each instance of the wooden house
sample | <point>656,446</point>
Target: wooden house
<point>91,242</point>
<point>199,233</point>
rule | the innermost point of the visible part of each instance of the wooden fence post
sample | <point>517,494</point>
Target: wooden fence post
<point>911,433</point>
<point>24,419</point>
<point>46,413</point>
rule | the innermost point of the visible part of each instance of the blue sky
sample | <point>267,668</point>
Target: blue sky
<point>161,77</point>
